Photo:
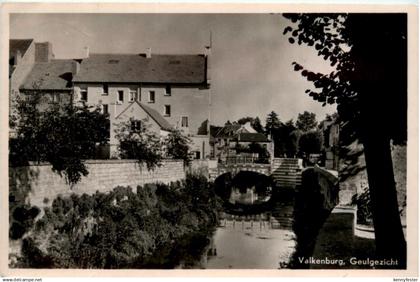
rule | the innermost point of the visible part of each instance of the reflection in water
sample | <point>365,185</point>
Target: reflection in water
<point>250,196</point>
<point>255,230</point>
<point>254,241</point>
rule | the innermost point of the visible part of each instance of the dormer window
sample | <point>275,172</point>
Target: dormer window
<point>168,90</point>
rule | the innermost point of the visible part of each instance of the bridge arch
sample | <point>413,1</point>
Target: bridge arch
<point>234,169</point>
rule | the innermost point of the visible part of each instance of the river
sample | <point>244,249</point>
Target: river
<point>254,241</point>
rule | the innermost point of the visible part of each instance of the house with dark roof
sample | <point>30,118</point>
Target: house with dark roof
<point>33,68</point>
<point>233,140</point>
<point>168,91</point>
<point>21,60</point>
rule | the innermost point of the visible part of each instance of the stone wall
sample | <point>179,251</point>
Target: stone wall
<point>38,184</point>
<point>215,172</point>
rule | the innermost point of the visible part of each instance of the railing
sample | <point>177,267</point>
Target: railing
<point>244,159</point>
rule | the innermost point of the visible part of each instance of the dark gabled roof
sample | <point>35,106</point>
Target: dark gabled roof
<point>214,130</point>
<point>52,75</point>
<point>158,118</point>
<point>20,45</point>
<point>228,131</point>
<point>252,137</point>
<point>136,68</point>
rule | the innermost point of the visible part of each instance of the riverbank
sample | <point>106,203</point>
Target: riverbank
<point>150,228</point>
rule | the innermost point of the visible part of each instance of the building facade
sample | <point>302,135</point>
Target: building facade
<point>165,91</point>
<point>233,142</point>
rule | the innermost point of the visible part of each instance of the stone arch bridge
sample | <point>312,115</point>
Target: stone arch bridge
<point>285,172</point>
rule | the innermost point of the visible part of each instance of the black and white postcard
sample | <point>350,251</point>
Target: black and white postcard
<point>241,138</point>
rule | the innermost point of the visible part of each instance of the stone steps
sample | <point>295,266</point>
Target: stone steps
<point>287,172</point>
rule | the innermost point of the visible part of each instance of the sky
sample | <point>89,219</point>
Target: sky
<point>251,59</point>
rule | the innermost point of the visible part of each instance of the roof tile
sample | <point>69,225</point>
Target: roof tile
<point>135,68</point>
<point>52,75</point>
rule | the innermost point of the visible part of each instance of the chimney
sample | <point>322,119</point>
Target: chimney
<point>76,67</point>
<point>18,58</point>
<point>86,51</point>
<point>149,53</point>
<point>43,52</point>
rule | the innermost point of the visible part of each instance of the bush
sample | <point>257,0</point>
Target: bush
<point>177,146</point>
<point>64,136</point>
<point>364,212</point>
<point>140,144</point>
<point>149,228</point>
<point>22,220</point>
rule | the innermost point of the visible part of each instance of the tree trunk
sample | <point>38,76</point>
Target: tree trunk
<point>389,236</point>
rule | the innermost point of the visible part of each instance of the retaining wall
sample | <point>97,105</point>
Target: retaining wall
<point>38,184</point>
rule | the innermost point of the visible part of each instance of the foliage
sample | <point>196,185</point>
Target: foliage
<point>177,146</point>
<point>255,123</point>
<point>244,120</point>
<point>363,202</point>
<point>306,121</point>
<point>348,45</point>
<point>140,143</point>
<point>263,154</point>
<point>311,142</point>
<point>124,229</point>
<point>21,220</point>
<point>254,148</point>
<point>369,85</point>
<point>285,141</point>
<point>272,122</point>
<point>63,135</point>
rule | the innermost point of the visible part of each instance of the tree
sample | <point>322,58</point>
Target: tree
<point>138,142</point>
<point>293,143</point>
<point>177,146</point>
<point>244,120</point>
<point>63,135</point>
<point>256,124</point>
<point>310,142</point>
<point>272,122</point>
<point>306,121</point>
<point>369,85</point>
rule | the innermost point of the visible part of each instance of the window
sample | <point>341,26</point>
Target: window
<point>135,125</point>
<point>133,95</point>
<point>55,98</point>
<point>167,110</point>
<point>197,155</point>
<point>120,96</point>
<point>184,121</point>
<point>83,94</point>
<point>151,96</point>
<point>168,90</point>
<point>104,108</point>
<point>105,89</point>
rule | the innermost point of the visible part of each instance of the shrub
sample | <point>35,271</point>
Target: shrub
<point>124,229</point>
<point>364,213</point>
